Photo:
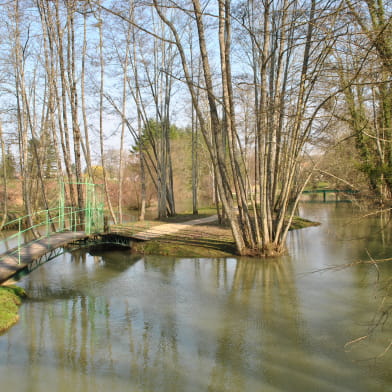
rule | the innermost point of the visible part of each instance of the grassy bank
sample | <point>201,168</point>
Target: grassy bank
<point>302,223</point>
<point>197,241</point>
<point>10,300</point>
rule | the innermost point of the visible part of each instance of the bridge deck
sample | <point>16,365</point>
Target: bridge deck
<point>133,230</point>
<point>33,250</point>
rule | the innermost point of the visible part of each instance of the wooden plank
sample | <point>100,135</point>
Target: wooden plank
<point>33,250</point>
<point>160,230</point>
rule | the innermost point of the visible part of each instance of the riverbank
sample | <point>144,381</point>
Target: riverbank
<point>186,235</point>
<point>10,300</point>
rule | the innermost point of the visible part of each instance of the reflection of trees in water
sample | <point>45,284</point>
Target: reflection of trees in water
<point>86,334</point>
<point>374,230</point>
<point>165,265</point>
<point>372,242</point>
<point>227,325</point>
<point>374,341</point>
<point>224,333</point>
<point>60,280</point>
<point>119,260</point>
<point>68,330</point>
<point>385,219</point>
<point>157,347</point>
<point>253,295</point>
<point>262,294</point>
<point>70,338</point>
<point>367,231</point>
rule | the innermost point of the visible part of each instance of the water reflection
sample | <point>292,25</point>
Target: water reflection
<point>116,321</point>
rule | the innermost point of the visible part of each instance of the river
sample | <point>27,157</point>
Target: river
<point>119,322</point>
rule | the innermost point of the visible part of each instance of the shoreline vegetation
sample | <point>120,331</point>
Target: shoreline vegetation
<point>10,300</point>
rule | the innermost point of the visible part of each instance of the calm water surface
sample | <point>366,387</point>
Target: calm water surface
<point>118,322</point>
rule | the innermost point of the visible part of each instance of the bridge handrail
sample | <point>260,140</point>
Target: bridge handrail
<point>21,218</point>
<point>49,220</point>
<point>327,190</point>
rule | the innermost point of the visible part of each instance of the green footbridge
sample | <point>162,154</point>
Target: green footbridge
<point>337,192</point>
<point>41,236</point>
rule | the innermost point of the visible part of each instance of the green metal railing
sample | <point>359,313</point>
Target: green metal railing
<point>89,219</point>
<point>335,191</point>
<point>61,219</point>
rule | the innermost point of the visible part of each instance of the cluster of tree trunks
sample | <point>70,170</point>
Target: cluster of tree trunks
<point>263,80</point>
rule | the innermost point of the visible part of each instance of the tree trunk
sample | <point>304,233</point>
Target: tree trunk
<point>101,96</point>
<point>74,108</point>
<point>5,179</point>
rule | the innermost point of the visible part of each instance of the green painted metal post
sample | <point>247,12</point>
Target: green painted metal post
<point>89,205</point>
<point>61,207</point>
<point>47,223</point>
<point>19,238</point>
<point>74,218</point>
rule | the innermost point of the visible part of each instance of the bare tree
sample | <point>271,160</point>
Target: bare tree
<point>86,144</point>
<point>283,121</point>
<point>101,110</point>
<point>5,179</point>
<point>21,110</point>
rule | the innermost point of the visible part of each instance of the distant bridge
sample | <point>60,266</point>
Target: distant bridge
<point>326,191</point>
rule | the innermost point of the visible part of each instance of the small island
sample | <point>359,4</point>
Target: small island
<point>187,235</point>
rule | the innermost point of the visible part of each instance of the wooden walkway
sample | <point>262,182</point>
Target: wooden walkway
<point>34,250</point>
<point>134,232</point>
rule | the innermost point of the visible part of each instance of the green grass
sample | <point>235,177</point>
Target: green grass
<point>211,210</point>
<point>10,300</point>
<point>202,247</point>
<point>301,223</point>
<point>187,215</point>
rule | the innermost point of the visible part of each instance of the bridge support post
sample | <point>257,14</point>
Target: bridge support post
<point>47,223</point>
<point>88,216</point>
<point>19,238</point>
<point>61,207</point>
